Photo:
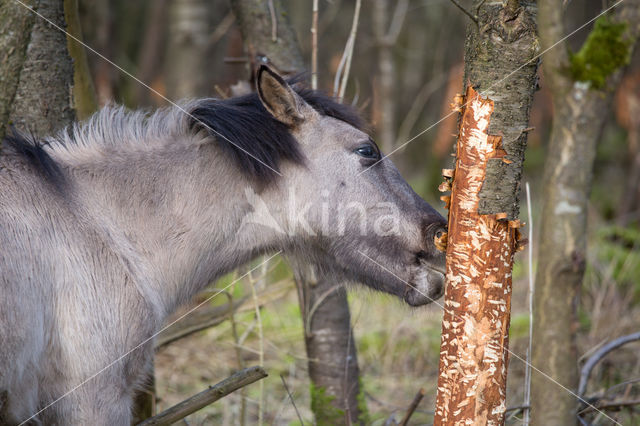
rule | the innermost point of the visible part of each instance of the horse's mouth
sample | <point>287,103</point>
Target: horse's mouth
<point>426,284</point>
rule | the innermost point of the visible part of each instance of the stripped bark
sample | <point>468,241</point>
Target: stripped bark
<point>333,362</point>
<point>500,75</point>
<point>580,110</point>
<point>475,326</point>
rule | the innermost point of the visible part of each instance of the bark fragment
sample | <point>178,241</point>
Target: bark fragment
<point>480,249</point>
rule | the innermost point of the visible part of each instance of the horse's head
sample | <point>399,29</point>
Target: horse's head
<point>346,207</point>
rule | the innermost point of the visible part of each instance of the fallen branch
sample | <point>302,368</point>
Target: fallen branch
<point>585,372</point>
<point>236,381</point>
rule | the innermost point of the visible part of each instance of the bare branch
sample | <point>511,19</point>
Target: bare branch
<point>585,372</point>
<point>284,383</point>
<point>347,55</point>
<point>412,407</point>
<point>314,46</point>
<point>199,320</point>
<point>465,11</point>
<point>236,381</point>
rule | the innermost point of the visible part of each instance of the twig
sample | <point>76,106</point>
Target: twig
<point>316,305</point>
<point>191,405</point>
<point>610,405</point>
<point>274,22</point>
<point>399,15</point>
<point>527,371</point>
<point>221,29</point>
<point>314,46</point>
<point>412,407</point>
<point>465,11</point>
<point>260,342</point>
<point>347,55</point>
<point>291,399</point>
<point>199,320</point>
<point>598,355</point>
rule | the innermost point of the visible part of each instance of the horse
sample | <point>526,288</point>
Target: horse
<point>109,226</point>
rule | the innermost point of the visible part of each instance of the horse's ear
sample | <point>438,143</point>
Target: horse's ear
<point>278,97</point>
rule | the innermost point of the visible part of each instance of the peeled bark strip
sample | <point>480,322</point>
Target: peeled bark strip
<point>473,352</point>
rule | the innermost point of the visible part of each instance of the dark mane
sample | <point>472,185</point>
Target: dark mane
<point>31,150</point>
<point>256,141</point>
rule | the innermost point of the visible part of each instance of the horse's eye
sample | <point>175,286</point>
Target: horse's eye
<point>367,151</point>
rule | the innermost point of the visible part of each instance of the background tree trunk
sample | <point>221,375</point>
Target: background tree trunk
<point>333,363</point>
<point>189,28</point>
<point>483,217</point>
<point>84,93</point>
<point>42,74</point>
<point>581,101</point>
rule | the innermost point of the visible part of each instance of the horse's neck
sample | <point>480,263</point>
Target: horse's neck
<point>177,221</point>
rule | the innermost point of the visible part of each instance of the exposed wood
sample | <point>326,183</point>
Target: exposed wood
<point>219,390</point>
<point>473,353</point>
<point>580,110</point>
<point>500,63</point>
<point>500,78</point>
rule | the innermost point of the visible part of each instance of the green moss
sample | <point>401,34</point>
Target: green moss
<point>603,52</point>
<point>363,417</point>
<point>321,405</point>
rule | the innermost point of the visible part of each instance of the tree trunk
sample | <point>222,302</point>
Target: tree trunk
<point>333,359</point>
<point>267,35</point>
<point>43,101</point>
<point>385,80</point>
<point>16,24</point>
<point>189,26</point>
<point>333,364</point>
<point>483,216</point>
<point>581,102</point>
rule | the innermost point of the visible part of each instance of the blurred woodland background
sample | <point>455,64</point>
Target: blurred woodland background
<point>408,62</point>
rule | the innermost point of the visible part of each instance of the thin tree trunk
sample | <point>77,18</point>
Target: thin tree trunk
<point>386,30</point>
<point>580,110</point>
<point>42,102</point>
<point>333,364</point>
<point>84,94</point>
<point>189,26</point>
<point>483,217</point>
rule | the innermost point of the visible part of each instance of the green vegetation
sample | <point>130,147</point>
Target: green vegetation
<point>322,403</point>
<point>603,52</point>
